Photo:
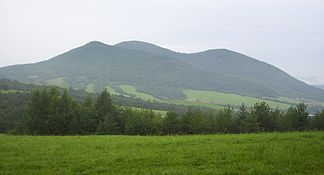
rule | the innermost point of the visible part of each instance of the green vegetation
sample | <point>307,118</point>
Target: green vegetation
<point>13,104</point>
<point>112,91</point>
<point>219,98</point>
<point>162,113</point>
<point>272,153</point>
<point>54,113</point>
<point>12,91</point>
<point>289,100</point>
<point>193,103</point>
<point>163,73</point>
<point>161,80</point>
<point>213,99</point>
<point>58,81</point>
<point>90,88</point>
<point>132,91</point>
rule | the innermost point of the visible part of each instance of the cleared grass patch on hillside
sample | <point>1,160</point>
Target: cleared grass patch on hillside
<point>58,81</point>
<point>210,99</point>
<point>274,153</point>
<point>90,88</point>
<point>12,91</point>
<point>296,101</point>
<point>112,91</point>
<point>132,90</point>
<point>162,113</point>
<point>213,97</point>
<point>193,103</point>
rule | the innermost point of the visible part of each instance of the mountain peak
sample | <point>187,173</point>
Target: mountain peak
<point>135,42</point>
<point>220,50</point>
<point>96,43</point>
<point>145,46</point>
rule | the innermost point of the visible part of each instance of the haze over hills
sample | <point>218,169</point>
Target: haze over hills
<point>319,86</point>
<point>162,72</point>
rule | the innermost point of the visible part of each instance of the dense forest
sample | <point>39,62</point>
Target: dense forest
<point>54,112</point>
<point>15,95</point>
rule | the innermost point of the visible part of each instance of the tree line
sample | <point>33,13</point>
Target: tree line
<point>50,112</point>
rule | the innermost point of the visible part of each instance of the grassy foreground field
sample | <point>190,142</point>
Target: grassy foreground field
<point>275,153</point>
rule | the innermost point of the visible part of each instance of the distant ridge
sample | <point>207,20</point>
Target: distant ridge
<point>319,86</point>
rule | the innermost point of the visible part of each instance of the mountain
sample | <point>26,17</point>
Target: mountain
<point>319,86</point>
<point>238,65</point>
<point>162,72</point>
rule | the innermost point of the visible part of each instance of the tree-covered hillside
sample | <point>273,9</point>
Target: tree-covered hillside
<point>270,80</point>
<point>161,72</point>
<point>14,97</point>
<point>320,86</point>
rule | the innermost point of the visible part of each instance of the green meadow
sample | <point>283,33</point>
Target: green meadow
<point>58,81</point>
<point>12,91</point>
<point>132,90</point>
<point>90,88</point>
<point>264,153</point>
<point>112,91</point>
<point>210,99</point>
<point>162,113</point>
<point>219,98</point>
<point>193,103</point>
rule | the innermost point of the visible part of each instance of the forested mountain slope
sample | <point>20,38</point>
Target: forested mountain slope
<point>162,72</point>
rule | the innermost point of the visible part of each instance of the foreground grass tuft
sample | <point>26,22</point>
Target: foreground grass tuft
<point>274,153</point>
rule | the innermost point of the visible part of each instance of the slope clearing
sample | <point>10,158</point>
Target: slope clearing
<point>112,91</point>
<point>131,90</point>
<point>218,98</point>
<point>213,99</point>
<point>90,88</point>
<point>58,81</point>
<point>162,113</point>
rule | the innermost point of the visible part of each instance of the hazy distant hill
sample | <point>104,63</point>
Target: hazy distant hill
<point>319,86</point>
<point>162,72</point>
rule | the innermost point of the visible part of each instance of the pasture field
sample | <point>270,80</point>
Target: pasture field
<point>90,88</point>
<point>264,153</point>
<point>232,99</point>
<point>193,103</point>
<point>162,113</point>
<point>212,99</point>
<point>58,81</point>
<point>112,91</point>
<point>132,90</point>
<point>12,91</point>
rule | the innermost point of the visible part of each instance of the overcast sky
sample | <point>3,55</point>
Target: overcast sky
<point>286,33</point>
